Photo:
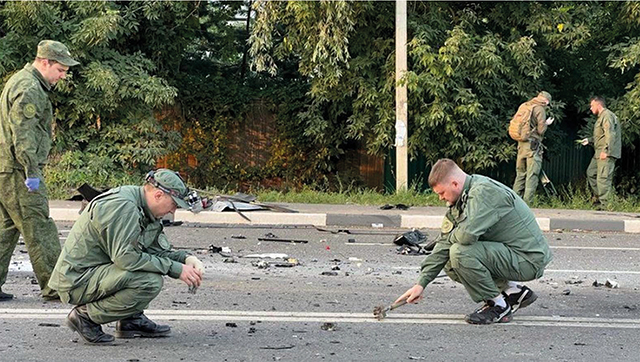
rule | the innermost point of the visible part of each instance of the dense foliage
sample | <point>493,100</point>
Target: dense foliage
<point>171,80</point>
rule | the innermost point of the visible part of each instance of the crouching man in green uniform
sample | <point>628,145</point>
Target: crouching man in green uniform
<point>489,241</point>
<point>113,261</point>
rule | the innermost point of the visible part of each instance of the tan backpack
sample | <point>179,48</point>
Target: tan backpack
<point>520,127</point>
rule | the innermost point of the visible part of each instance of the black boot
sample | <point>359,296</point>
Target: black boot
<point>139,325</point>
<point>5,296</point>
<point>79,321</point>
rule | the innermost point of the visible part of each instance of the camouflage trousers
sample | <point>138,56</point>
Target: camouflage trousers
<point>600,177</point>
<point>112,294</point>
<point>27,213</point>
<point>528,167</point>
<point>485,268</point>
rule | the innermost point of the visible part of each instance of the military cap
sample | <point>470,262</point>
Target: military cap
<point>55,50</point>
<point>546,95</point>
<point>171,183</point>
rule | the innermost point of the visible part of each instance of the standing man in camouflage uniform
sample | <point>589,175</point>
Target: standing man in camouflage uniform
<point>113,261</point>
<point>607,144</point>
<point>489,239</point>
<point>25,140</point>
<point>529,161</point>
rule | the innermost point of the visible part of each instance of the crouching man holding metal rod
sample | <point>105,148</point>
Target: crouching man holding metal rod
<point>489,241</point>
<point>113,261</point>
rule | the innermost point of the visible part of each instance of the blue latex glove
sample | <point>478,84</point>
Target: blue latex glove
<point>33,183</point>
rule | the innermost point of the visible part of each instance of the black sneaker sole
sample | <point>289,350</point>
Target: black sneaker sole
<point>140,334</point>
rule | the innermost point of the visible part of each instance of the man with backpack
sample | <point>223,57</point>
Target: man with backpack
<point>527,127</point>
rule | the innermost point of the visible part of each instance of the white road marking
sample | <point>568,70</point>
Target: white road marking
<point>398,318</point>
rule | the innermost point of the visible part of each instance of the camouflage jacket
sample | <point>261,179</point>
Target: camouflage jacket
<point>116,228</point>
<point>487,211</point>
<point>26,117</point>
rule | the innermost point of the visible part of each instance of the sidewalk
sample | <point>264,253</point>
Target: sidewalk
<point>367,216</point>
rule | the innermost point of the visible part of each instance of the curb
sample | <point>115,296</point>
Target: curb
<point>386,221</point>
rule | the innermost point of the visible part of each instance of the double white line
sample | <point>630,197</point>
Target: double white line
<point>321,317</point>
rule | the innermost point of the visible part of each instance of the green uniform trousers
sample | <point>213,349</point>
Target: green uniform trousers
<point>528,167</point>
<point>112,294</point>
<point>485,267</point>
<point>27,213</point>
<point>600,177</point>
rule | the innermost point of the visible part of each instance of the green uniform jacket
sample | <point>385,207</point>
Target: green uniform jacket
<point>25,122</point>
<point>487,211</point>
<point>607,137</point>
<point>115,228</point>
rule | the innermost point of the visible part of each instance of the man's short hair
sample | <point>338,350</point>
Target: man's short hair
<point>441,171</point>
<point>599,100</point>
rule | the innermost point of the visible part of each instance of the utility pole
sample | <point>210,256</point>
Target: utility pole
<point>402,166</point>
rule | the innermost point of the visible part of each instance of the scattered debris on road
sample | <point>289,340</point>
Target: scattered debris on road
<point>48,325</point>
<point>328,326</point>
<point>278,347</point>
<point>329,273</point>
<point>299,241</point>
<point>611,284</point>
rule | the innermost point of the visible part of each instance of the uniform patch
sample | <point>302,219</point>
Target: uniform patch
<point>29,110</point>
<point>447,226</point>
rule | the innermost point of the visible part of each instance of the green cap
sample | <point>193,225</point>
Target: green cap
<point>171,183</point>
<point>55,50</point>
<point>546,95</point>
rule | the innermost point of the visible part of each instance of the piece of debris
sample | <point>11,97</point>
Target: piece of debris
<point>48,325</point>
<point>260,264</point>
<point>412,250</point>
<point>299,241</point>
<point>328,326</point>
<point>291,262</point>
<point>397,272</point>
<point>231,324</point>
<point>566,292</point>
<point>579,344</point>
<point>611,284</point>
<point>402,207</point>
<point>278,347</point>
<point>268,256</point>
<point>219,249</point>
<point>330,273</point>
<point>335,267</point>
<point>229,260</point>
<point>178,302</point>
<point>239,236</point>
<point>573,282</point>
<point>630,307</point>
